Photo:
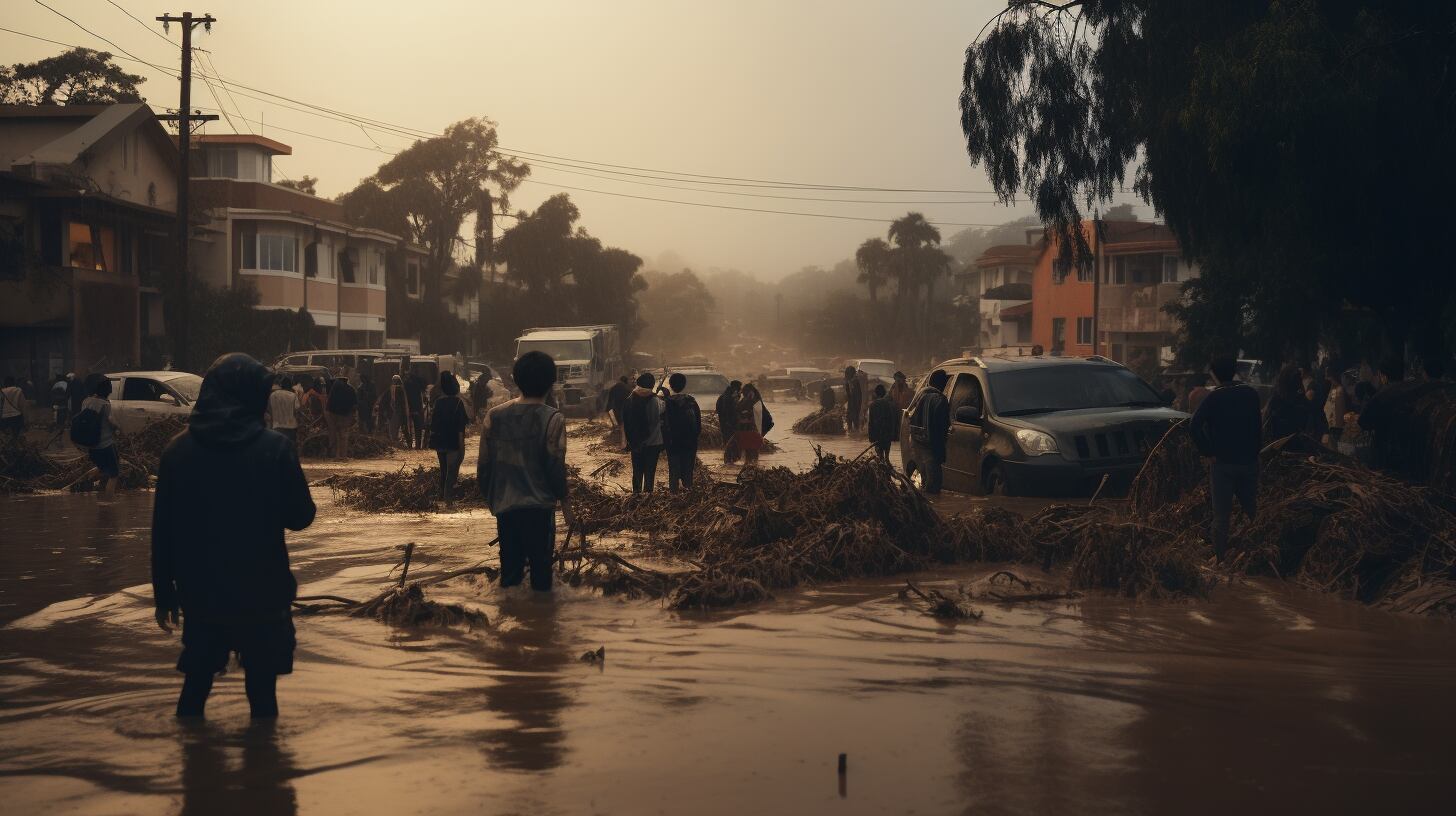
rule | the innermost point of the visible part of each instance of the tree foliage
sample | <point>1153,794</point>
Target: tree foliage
<point>80,76</point>
<point>1299,149</point>
<point>429,190</point>
<point>307,184</point>
<point>679,313</point>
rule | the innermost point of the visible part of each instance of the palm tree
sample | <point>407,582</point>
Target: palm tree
<point>873,260</point>
<point>917,261</point>
<point>912,230</point>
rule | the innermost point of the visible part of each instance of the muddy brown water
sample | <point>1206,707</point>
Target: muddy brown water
<point>1263,699</point>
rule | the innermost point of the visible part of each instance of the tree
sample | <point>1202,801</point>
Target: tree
<point>1297,149</point>
<point>607,287</point>
<point>918,262</point>
<point>873,260</point>
<point>678,310</point>
<point>432,187</point>
<point>80,76</point>
<point>538,250</point>
<point>307,184</point>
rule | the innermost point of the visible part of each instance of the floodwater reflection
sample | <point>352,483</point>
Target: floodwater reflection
<point>529,692</point>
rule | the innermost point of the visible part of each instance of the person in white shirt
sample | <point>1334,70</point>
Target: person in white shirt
<point>282,412</point>
<point>12,410</point>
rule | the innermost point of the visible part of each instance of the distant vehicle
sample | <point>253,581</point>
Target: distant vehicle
<point>781,387</point>
<point>139,398</point>
<point>882,371</point>
<point>704,384</point>
<point>588,360</point>
<point>1043,426</point>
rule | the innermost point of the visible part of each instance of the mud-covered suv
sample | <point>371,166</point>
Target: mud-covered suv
<point>1042,426</point>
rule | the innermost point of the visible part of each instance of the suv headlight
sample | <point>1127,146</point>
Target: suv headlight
<point>1035,443</point>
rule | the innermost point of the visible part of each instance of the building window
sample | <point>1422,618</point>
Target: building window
<point>1116,271</point>
<point>91,247</point>
<point>412,278</point>
<point>224,164</point>
<point>346,266</point>
<point>1084,331</point>
<point>1059,333</point>
<point>277,253</point>
<point>1170,269</point>
<point>1060,270</point>
<point>372,260</point>
<point>1086,273</point>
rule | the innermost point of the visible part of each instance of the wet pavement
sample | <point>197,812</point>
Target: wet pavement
<point>1264,699</point>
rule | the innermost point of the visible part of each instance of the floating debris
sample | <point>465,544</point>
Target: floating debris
<point>941,605</point>
<point>822,423</point>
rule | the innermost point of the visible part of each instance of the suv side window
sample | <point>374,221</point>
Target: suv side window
<point>137,388</point>
<point>967,391</point>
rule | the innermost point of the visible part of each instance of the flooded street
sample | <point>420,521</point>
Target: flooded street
<point>1263,698</point>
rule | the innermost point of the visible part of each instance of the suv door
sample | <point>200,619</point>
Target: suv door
<point>143,401</point>
<point>963,447</point>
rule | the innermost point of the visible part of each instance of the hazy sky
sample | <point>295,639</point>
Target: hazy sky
<point>828,92</point>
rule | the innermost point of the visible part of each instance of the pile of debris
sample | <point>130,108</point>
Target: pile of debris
<point>1323,520</point>
<point>822,422</point>
<point>313,443</point>
<point>26,468</point>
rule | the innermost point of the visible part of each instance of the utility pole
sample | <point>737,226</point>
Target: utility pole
<point>185,117</point>
<point>1097,272</point>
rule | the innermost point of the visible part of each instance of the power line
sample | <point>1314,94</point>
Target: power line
<point>103,39</point>
<point>139,22</point>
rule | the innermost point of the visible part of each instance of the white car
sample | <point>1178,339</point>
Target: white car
<point>139,398</point>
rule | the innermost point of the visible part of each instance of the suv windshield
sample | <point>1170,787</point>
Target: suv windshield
<point>558,349</point>
<point>1043,390</point>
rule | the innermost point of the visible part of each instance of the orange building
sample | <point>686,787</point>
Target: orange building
<point>1140,272</point>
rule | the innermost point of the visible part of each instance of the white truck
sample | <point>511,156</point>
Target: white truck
<point>588,360</point>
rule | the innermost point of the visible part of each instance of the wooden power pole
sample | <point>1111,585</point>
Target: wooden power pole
<point>181,354</point>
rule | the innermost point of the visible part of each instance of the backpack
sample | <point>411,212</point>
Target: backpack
<point>86,428</point>
<point>634,420</point>
<point>684,422</point>
<point>767,421</point>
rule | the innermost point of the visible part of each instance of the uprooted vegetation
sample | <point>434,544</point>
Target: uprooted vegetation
<point>1323,521</point>
<point>26,468</point>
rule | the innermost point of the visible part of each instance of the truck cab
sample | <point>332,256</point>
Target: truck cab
<point>588,360</point>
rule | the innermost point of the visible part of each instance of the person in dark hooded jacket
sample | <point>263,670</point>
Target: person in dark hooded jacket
<point>227,488</point>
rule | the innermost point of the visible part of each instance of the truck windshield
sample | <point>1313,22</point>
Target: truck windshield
<point>1042,390</point>
<point>558,349</point>
<point>877,369</point>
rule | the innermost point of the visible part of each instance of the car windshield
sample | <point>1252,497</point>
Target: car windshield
<point>705,383</point>
<point>558,349</point>
<point>1046,389</point>
<point>188,385</point>
<point>877,369</point>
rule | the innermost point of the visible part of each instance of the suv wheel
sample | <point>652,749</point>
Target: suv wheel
<point>993,481</point>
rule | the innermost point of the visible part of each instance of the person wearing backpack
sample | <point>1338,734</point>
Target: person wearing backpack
<point>339,415</point>
<point>448,419</point>
<point>227,489</point>
<point>94,429</point>
<point>642,422</point>
<point>727,410</point>
<point>884,423</point>
<point>522,473</point>
<point>929,429</point>
<point>12,409</point>
<point>684,423</point>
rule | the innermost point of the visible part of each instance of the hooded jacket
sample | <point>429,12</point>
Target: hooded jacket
<point>643,421</point>
<point>226,490</point>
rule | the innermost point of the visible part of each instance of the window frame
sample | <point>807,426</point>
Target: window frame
<point>1176,262</point>
<point>284,245</point>
<point>1087,323</point>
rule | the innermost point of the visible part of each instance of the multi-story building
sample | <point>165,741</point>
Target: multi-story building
<point>88,196</point>
<point>1003,287</point>
<point>1136,271</point>
<point>295,249</point>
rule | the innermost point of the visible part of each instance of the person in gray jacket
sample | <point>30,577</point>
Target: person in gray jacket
<point>522,473</point>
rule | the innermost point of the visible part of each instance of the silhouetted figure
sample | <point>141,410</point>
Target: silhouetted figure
<point>642,423</point>
<point>226,490</point>
<point>884,423</point>
<point>1226,428</point>
<point>522,473</point>
<point>901,392</point>
<point>1288,410</point>
<point>751,424</point>
<point>929,429</point>
<point>727,410</point>
<point>414,394</point>
<point>853,398</point>
<point>683,424</point>
<point>447,434</point>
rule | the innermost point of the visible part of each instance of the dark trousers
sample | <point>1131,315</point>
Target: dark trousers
<point>1225,483</point>
<point>882,451</point>
<point>527,537</point>
<point>644,467</point>
<point>449,471</point>
<point>931,477</point>
<point>261,687</point>
<point>415,436</point>
<point>680,464</point>
<point>851,415</point>
<point>13,425</point>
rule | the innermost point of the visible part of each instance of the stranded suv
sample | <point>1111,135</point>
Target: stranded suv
<point>1043,426</point>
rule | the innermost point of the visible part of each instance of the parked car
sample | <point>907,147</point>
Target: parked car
<point>139,398</point>
<point>881,371</point>
<point>704,384</point>
<point>1043,426</point>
